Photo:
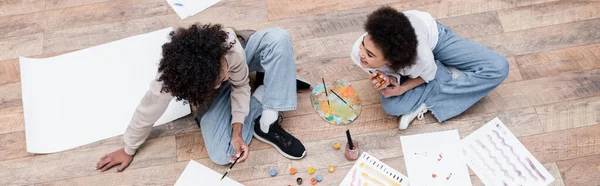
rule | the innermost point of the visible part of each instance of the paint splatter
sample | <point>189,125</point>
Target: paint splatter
<point>178,4</point>
<point>449,176</point>
<point>433,175</point>
<point>440,158</point>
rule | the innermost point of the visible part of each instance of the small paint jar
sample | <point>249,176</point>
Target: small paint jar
<point>331,168</point>
<point>292,171</point>
<point>352,154</point>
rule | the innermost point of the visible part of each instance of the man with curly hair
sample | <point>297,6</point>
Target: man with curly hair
<point>419,65</point>
<point>208,65</point>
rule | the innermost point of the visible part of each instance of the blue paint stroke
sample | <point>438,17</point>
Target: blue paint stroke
<point>318,89</point>
<point>178,4</point>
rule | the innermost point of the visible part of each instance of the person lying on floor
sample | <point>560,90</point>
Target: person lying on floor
<point>424,66</point>
<point>207,65</point>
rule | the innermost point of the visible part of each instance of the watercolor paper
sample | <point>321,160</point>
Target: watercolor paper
<point>187,8</point>
<point>435,159</point>
<point>197,174</point>
<point>89,95</point>
<point>368,170</point>
<point>499,158</point>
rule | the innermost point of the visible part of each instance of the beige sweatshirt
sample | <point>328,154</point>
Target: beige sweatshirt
<point>154,103</point>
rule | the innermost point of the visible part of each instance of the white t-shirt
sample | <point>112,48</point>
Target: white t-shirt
<point>427,35</point>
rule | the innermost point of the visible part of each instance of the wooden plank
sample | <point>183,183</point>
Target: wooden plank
<point>27,45</point>
<point>342,68</point>
<point>539,39</point>
<point>581,171</point>
<point>11,119</point>
<point>295,8</point>
<point>325,48</point>
<point>88,36</point>
<point>367,94</point>
<point>14,7</point>
<point>541,91</point>
<point>548,14</point>
<point>474,25</point>
<point>101,13</point>
<point>10,95</point>
<point>191,146</point>
<point>569,114</point>
<point>155,175</point>
<point>320,25</point>
<point>451,8</point>
<point>556,62</point>
<point>564,144</point>
<point>9,71</point>
<point>521,122</point>
<point>22,24</point>
<point>81,162</point>
<point>12,146</point>
<point>551,167</point>
<point>231,13</point>
<point>514,72</point>
<point>57,4</point>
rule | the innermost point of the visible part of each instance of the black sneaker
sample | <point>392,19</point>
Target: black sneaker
<point>301,83</point>
<point>284,142</point>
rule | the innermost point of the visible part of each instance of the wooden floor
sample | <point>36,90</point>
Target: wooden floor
<point>551,99</point>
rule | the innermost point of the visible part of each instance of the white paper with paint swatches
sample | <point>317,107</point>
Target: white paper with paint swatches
<point>499,158</point>
<point>368,170</point>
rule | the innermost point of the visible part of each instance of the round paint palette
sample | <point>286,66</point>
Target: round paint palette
<point>338,111</point>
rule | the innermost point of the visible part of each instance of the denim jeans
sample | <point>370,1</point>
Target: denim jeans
<point>268,50</point>
<point>480,70</point>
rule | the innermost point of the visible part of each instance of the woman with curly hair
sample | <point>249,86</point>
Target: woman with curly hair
<point>207,65</point>
<point>419,65</point>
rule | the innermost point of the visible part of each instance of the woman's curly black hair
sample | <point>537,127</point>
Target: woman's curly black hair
<point>392,32</point>
<point>191,62</point>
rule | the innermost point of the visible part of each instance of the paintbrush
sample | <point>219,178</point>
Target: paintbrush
<point>342,99</point>
<point>236,159</point>
<point>350,143</point>
<point>326,95</point>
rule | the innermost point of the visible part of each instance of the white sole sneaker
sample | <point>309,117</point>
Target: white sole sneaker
<point>407,118</point>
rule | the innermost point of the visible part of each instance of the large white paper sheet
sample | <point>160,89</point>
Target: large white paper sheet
<point>89,95</point>
<point>435,159</point>
<point>187,8</point>
<point>368,170</point>
<point>499,158</point>
<point>197,174</point>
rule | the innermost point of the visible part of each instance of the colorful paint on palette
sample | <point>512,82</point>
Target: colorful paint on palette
<point>338,111</point>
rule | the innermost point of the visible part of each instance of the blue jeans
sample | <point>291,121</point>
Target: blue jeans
<point>268,50</point>
<point>481,70</point>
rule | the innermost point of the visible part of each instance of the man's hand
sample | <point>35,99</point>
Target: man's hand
<point>114,158</point>
<point>394,90</point>
<point>379,80</point>
<point>238,143</point>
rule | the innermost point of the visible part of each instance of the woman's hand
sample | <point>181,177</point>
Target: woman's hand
<point>380,80</point>
<point>394,90</point>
